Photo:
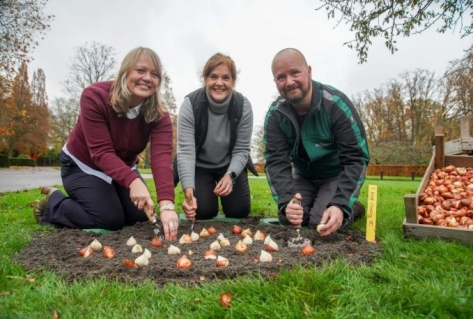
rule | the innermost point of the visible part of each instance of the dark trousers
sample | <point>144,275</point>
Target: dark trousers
<point>234,205</point>
<point>316,194</point>
<point>92,202</point>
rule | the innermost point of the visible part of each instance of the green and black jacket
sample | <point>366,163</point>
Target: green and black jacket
<point>331,142</point>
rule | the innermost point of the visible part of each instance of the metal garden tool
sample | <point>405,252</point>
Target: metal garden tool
<point>154,221</point>
<point>297,241</point>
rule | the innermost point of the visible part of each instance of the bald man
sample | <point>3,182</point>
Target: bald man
<point>315,149</point>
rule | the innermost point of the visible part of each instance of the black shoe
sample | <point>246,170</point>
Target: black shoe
<point>39,207</point>
<point>359,210</point>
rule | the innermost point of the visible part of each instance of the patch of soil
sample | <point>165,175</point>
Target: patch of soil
<point>59,252</point>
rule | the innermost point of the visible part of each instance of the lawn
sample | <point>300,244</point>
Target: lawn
<point>411,279</point>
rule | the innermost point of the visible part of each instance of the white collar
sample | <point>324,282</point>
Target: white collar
<point>134,112</point>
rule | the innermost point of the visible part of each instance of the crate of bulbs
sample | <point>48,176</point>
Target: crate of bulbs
<point>442,205</point>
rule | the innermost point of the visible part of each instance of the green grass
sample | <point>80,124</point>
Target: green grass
<point>411,278</point>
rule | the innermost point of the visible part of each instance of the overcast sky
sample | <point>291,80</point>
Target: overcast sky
<point>186,33</point>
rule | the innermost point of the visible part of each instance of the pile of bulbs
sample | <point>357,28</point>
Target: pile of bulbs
<point>245,238</point>
<point>447,199</point>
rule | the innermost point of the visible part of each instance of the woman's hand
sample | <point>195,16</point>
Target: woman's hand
<point>190,204</point>
<point>170,222</point>
<point>140,195</point>
<point>224,187</point>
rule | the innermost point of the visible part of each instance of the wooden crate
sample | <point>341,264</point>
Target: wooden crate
<point>411,228</point>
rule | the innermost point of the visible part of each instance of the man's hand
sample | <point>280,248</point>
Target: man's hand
<point>294,210</point>
<point>331,221</point>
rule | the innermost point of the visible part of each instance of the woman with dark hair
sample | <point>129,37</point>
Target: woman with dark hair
<point>117,119</point>
<point>214,132</point>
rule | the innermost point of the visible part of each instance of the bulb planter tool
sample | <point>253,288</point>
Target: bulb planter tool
<point>298,241</point>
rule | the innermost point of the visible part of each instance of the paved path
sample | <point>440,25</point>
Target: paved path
<point>29,178</point>
<point>36,177</point>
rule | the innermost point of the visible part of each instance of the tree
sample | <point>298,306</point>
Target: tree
<point>21,21</point>
<point>20,104</point>
<point>91,63</point>
<point>6,113</point>
<point>389,19</point>
<point>63,118</point>
<point>170,103</point>
<point>38,136</point>
<point>257,147</point>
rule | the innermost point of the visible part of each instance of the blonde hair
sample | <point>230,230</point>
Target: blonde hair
<point>153,107</point>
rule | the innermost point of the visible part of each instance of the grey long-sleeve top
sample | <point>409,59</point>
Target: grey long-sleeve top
<point>214,152</point>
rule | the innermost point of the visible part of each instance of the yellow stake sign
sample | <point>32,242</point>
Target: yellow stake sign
<point>371,214</point>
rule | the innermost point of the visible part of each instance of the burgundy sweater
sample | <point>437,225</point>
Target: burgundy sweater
<point>110,144</point>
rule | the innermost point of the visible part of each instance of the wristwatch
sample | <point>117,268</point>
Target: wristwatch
<point>169,206</point>
<point>232,175</point>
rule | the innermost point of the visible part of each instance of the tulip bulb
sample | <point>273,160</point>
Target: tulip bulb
<point>142,260</point>
<point>211,230</point>
<point>130,263</point>
<point>173,250</point>
<point>210,254</point>
<point>246,232</point>
<point>131,241</point>
<point>319,228</point>
<point>184,262</point>
<point>222,261</point>
<point>108,252</point>
<point>308,249</point>
<point>204,233</point>
<point>259,236</point>
<point>236,230</point>
<point>226,299</point>
<point>194,236</point>
<point>137,249</point>
<point>247,240</point>
<point>267,240</point>
<point>220,237</point>
<point>156,242</point>
<point>185,239</point>
<point>241,247</point>
<point>96,245</point>
<point>215,245</point>
<point>224,242</point>
<point>271,246</point>
<point>265,257</point>
<point>86,251</point>
<point>147,253</point>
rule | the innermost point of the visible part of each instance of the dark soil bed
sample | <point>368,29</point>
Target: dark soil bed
<point>59,252</point>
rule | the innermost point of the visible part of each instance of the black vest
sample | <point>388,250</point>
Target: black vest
<point>200,103</point>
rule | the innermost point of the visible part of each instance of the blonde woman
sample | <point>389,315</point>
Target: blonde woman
<point>116,121</point>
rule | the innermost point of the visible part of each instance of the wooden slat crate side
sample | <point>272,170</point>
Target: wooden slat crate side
<point>410,208</point>
<point>458,160</point>
<point>445,233</point>
<point>459,146</point>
